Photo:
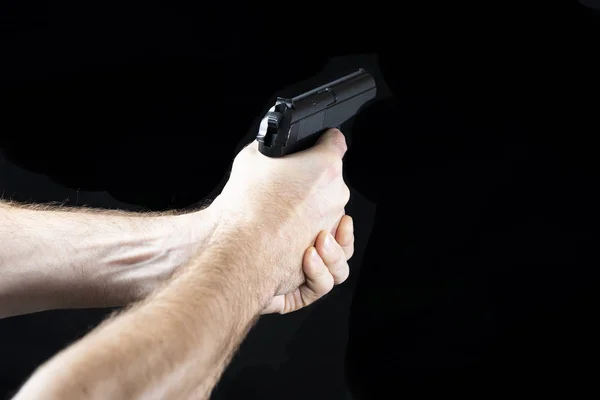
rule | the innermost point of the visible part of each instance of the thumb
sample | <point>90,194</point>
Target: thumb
<point>332,141</point>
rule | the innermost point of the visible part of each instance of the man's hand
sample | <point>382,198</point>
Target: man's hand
<point>279,205</point>
<point>323,267</point>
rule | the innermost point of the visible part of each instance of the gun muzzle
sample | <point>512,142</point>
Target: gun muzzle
<point>295,124</point>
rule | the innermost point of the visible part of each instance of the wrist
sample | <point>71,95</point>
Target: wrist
<point>240,252</point>
<point>195,229</point>
<point>224,277</point>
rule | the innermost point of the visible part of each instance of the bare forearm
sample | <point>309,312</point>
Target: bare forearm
<point>175,344</point>
<point>57,258</point>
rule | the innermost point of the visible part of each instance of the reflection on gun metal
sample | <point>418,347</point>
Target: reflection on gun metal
<point>295,124</point>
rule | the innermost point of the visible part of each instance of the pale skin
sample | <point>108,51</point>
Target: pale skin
<point>197,281</point>
<point>59,258</point>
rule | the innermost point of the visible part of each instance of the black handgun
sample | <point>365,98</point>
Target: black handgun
<point>295,124</point>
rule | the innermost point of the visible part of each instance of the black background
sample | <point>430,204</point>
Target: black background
<point>479,272</point>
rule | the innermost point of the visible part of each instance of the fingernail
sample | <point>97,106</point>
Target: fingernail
<point>314,256</point>
<point>329,243</point>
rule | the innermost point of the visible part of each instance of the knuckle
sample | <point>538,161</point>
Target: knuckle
<point>339,140</point>
<point>332,167</point>
<point>332,161</point>
<point>346,194</point>
<point>343,196</point>
<point>337,165</point>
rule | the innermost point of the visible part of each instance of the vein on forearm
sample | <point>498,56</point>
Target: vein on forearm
<point>56,258</point>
